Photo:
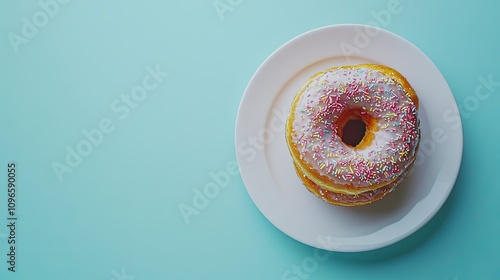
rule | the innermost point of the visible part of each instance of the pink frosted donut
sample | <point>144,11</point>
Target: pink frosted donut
<point>354,130</point>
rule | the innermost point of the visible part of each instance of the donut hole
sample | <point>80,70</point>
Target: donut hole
<point>353,132</point>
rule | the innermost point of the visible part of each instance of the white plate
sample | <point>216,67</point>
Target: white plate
<point>266,166</point>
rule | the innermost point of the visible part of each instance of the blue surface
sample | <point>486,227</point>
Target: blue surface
<point>117,215</point>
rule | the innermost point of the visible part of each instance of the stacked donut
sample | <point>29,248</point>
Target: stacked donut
<point>353,133</point>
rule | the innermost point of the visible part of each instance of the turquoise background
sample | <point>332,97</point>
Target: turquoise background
<point>116,216</point>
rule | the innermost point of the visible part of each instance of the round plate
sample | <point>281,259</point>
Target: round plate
<point>266,166</point>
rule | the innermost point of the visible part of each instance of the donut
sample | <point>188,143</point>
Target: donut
<point>353,133</point>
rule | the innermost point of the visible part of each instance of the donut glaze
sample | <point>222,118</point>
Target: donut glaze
<point>348,199</point>
<point>378,96</point>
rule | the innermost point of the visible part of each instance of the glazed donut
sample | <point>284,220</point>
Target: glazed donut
<point>353,133</point>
